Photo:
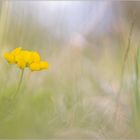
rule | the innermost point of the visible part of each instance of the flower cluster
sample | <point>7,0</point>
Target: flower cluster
<point>24,58</point>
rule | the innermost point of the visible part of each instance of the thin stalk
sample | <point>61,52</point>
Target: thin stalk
<point>137,80</point>
<point>123,65</point>
<point>136,108</point>
<point>136,100</point>
<point>19,83</point>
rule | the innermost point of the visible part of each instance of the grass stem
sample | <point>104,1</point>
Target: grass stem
<point>19,83</point>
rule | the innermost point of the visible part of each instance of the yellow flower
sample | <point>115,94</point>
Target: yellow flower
<point>28,57</point>
<point>38,66</point>
<point>44,65</point>
<point>23,55</point>
<point>9,57</point>
<point>35,66</point>
<point>18,57</point>
<point>16,51</point>
<point>25,58</point>
<point>35,56</point>
<point>21,64</point>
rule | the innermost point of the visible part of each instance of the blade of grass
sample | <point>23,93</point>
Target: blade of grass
<point>19,84</point>
<point>124,64</point>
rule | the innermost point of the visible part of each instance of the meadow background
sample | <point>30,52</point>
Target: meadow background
<point>91,89</point>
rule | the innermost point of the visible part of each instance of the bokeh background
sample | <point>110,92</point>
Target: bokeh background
<point>91,89</point>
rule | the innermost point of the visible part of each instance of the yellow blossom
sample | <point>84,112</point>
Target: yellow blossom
<point>35,66</point>
<point>35,56</point>
<point>44,65</point>
<point>9,57</point>
<point>15,52</point>
<point>21,64</point>
<point>25,58</point>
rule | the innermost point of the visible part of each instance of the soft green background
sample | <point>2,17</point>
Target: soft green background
<point>76,96</point>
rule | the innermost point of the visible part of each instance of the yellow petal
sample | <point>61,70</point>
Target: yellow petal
<point>16,51</point>
<point>44,65</point>
<point>21,64</point>
<point>9,57</point>
<point>34,66</point>
<point>35,56</point>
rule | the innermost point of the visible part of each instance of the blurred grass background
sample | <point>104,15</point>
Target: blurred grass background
<point>85,44</point>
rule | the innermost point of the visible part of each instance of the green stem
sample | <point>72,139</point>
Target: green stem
<point>136,112</point>
<point>123,66</point>
<point>19,84</point>
<point>137,80</point>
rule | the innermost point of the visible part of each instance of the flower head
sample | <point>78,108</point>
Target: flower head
<point>21,64</point>
<point>35,57</point>
<point>16,51</point>
<point>36,66</point>
<point>25,58</point>
<point>44,65</point>
<point>9,57</point>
